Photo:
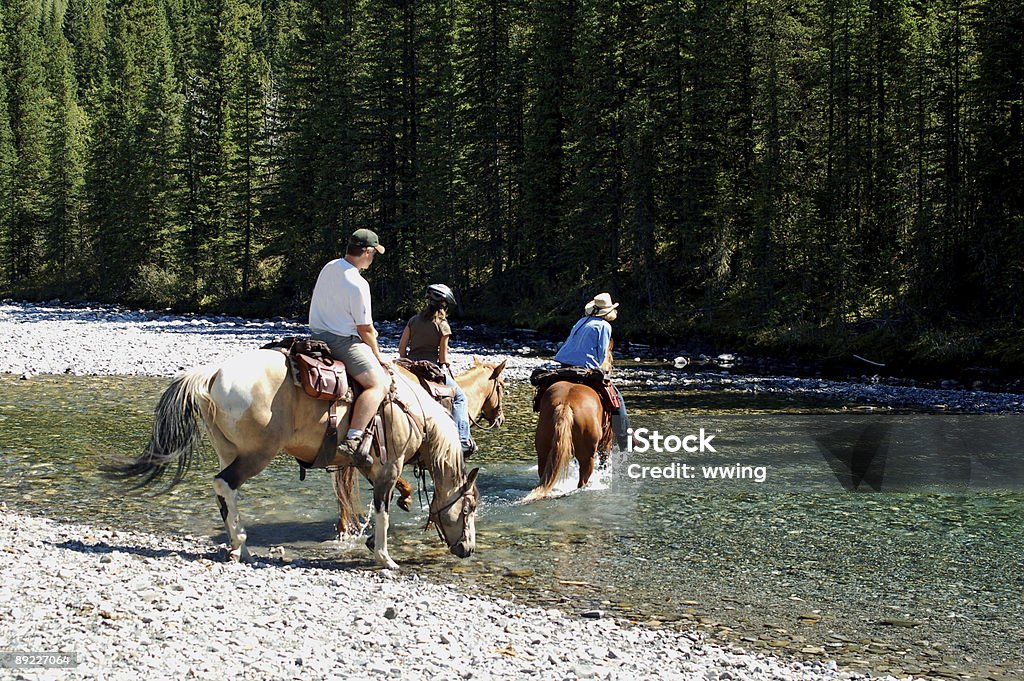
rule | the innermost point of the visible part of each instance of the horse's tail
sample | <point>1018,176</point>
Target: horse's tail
<point>559,455</point>
<point>177,435</point>
<point>344,480</point>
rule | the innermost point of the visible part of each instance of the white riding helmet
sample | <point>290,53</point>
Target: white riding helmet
<point>441,293</point>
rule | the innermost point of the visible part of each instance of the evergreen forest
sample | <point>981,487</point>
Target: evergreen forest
<point>804,177</point>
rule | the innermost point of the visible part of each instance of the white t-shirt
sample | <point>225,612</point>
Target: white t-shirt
<point>341,300</point>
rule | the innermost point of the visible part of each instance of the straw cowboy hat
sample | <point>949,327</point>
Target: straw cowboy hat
<point>601,305</point>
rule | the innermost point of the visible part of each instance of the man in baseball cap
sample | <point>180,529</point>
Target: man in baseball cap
<point>340,314</point>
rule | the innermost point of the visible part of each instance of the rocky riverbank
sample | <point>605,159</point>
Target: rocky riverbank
<point>100,340</point>
<point>128,605</point>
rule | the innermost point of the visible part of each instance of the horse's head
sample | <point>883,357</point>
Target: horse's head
<point>492,407</point>
<point>454,516</point>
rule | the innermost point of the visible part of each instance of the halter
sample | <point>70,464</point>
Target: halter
<point>495,387</point>
<point>435,516</point>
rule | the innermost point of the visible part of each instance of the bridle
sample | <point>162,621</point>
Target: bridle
<point>464,493</point>
<point>496,386</point>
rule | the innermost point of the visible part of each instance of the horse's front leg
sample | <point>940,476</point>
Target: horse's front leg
<point>383,487</point>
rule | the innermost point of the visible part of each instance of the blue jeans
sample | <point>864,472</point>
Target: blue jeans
<point>460,411</point>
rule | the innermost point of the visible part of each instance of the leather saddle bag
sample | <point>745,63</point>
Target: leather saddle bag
<point>322,377</point>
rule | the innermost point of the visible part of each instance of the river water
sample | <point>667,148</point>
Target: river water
<point>916,571</point>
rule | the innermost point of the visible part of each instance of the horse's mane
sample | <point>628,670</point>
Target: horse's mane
<point>447,457</point>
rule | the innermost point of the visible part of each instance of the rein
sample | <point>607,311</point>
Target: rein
<point>435,516</point>
<point>495,387</point>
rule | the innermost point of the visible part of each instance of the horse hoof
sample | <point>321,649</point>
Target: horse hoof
<point>405,503</point>
<point>240,555</point>
<point>386,563</point>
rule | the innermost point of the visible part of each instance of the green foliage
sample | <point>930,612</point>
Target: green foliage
<point>30,125</point>
<point>813,176</point>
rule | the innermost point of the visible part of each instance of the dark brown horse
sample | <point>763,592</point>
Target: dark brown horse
<point>571,423</point>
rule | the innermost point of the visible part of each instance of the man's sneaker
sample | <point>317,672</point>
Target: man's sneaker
<point>358,450</point>
<point>469,448</point>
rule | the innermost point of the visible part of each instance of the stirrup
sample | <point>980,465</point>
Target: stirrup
<point>469,448</point>
<point>358,450</point>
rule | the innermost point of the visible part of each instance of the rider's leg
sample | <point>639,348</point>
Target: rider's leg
<point>375,386</point>
<point>620,424</point>
<point>367,371</point>
<point>460,412</point>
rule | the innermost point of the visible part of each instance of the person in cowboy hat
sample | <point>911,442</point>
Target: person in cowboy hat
<point>340,314</point>
<point>587,346</point>
<point>426,338</point>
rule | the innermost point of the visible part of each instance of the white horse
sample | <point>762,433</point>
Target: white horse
<point>252,411</point>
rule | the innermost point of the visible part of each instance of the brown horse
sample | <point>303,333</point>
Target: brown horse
<point>252,410</point>
<point>571,423</point>
<point>484,388</point>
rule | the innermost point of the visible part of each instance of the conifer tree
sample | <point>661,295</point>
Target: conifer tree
<point>159,187</point>
<point>248,131</point>
<point>29,124</point>
<point>317,180</point>
<point>545,172</point>
<point>67,136</point>
<point>490,61</point>
<point>8,160</point>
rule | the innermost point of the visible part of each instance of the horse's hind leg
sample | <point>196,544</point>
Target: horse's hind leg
<point>585,447</point>
<point>586,468</point>
<point>226,484</point>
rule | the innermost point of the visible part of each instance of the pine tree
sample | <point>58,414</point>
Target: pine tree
<point>8,160</point>
<point>385,125</point>
<point>545,172</point>
<point>158,183</point>
<point>317,166</point>
<point>86,29</point>
<point>593,214</point>
<point>248,130</point>
<point>997,275</point>
<point>67,137</point>
<point>490,60</point>
<point>29,124</point>
<point>212,241</point>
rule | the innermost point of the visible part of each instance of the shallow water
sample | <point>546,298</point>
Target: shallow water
<point>922,581</point>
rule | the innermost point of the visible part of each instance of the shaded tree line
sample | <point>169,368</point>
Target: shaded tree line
<point>824,174</point>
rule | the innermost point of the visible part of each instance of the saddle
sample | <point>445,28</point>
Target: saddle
<point>322,377</point>
<point>595,379</point>
<point>432,379</point>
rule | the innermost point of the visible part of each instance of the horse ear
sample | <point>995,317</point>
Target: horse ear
<point>471,480</point>
<point>477,361</point>
<point>498,369</point>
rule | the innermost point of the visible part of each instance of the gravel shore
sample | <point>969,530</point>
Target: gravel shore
<point>132,604</point>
